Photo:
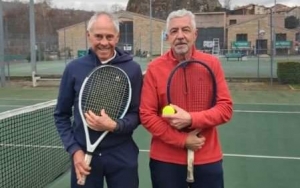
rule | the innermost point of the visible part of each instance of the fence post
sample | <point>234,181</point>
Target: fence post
<point>2,63</point>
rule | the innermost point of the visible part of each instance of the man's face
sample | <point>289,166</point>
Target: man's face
<point>181,35</point>
<point>103,37</point>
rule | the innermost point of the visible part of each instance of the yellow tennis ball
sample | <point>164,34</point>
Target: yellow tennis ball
<point>168,110</point>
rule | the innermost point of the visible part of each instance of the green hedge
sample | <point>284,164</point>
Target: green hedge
<point>288,72</point>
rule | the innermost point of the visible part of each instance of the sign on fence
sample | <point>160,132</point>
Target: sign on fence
<point>283,44</point>
<point>81,53</point>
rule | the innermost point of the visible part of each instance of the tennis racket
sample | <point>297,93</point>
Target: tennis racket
<point>192,86</point>
<point>106,87</point>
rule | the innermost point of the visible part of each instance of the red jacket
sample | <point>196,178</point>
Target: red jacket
<point>168,144</point>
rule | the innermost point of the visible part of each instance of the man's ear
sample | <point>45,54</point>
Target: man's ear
<point>118,37</point>
<point>166,37</point>
<point>196,33</point>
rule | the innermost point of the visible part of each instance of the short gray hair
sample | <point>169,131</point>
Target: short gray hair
<point>113,18</point>
<point>178,14</point>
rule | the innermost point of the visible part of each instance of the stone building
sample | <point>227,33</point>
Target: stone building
<point>211,26</point>
<point>254,36</point>
<point>135,35</point>
<point>143,36</point>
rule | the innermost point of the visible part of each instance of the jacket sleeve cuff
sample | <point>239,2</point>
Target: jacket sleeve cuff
<point>71,150</point>
<point>119,126</point>
<point>195,120</point>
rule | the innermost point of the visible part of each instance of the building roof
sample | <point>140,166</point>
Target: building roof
<point>243,7</point>
<point>258,18</point>
<point>208,13</point>
<point>250,20</point>
<point>128,14</point>
<point>293,8</point>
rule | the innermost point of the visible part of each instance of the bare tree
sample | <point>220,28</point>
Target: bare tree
<point>45,3</point>
<point>116,7</point>
<point>227,4</point>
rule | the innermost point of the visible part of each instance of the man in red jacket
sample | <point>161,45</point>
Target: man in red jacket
<point>168,153</point>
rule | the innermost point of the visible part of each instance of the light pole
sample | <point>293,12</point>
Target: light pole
<point>273,40</point>
<point>32,36</point>
<point>2,64</point>
<point>150,37</point>
<point>259,35</point>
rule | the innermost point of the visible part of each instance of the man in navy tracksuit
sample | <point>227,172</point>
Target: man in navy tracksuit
<point>117,155</point>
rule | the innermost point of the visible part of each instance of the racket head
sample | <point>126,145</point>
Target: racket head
<point>107,87</point>
<point>192,86</point>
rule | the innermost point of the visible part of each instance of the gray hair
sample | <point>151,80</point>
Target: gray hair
<point>181,13</point>
<point>113,18</point>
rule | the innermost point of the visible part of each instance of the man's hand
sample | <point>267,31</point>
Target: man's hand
<point>81,168</point>
<point>194,140</point>
<point>100,123</point>
<point>180,120</point>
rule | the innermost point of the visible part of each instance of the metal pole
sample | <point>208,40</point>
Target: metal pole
<point>161,42</point>
<point>150,42</point>
<point>126,33</point>
<point>258,47</point>
<point>32,36</point>
<point>86,40</point>
<point>274,39</point>
<point>141,52</point>
<point>273,46</point>
<point>65,47</point>
<point>2,63</point>
<point>274,30</point>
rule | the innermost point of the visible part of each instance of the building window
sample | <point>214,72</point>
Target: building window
<point>281,37</point>
<point>241,37</point>
<point>231,22</point>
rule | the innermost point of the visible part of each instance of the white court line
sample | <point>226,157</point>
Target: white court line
<point>11,105</point>
<point>14,99</point>
<point>268,104</point>
<point>250,156</point>
<point>268,112</point>
<point>262,156</point>
<point>147,151</point>
<point>30,146</point>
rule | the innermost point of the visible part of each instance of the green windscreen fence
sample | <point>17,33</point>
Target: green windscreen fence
<point>31,152</point>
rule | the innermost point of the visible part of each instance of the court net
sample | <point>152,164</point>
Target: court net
<point>31,153</point>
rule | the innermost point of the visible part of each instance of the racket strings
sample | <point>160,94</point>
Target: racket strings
<point>191,88</point>
<point>113,87</point>
<point>185,81</point>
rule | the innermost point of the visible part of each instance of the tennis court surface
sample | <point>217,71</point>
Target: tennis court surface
<point>260,143</point>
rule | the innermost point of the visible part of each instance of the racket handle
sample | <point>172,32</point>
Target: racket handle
<point>190,166</point>
<point>87,160</point>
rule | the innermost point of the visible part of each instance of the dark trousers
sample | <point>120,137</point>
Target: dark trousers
<point>168,175</point>
<point>119,167</point>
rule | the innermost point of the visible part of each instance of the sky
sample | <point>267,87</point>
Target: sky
<point>105,4</point>
<point>96,5</point>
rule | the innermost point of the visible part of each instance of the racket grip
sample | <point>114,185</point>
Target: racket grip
<point>87,160</point>
<point>190,166</point>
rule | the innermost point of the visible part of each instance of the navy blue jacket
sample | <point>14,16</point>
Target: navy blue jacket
<point>71,129</point>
